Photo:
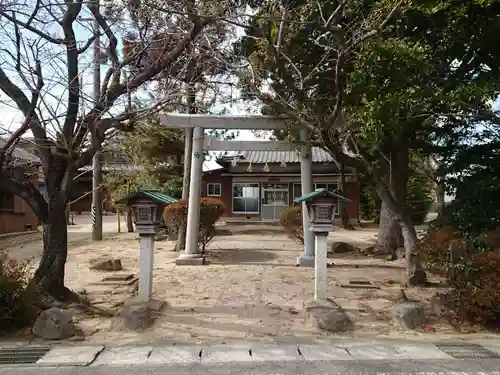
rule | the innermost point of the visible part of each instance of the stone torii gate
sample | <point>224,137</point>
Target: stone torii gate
<point>191,255</point>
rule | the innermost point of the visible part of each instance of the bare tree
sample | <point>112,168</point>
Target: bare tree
<point>40,76</point>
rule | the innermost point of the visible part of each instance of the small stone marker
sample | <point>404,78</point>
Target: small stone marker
<point>106,264</point>
<point>119,277</point>
<point>119,280</point>
<point>360,284</point>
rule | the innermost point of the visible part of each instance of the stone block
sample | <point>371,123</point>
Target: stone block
<point>54,324</point>
<point>342,247</point>
<point>175,355</point>
<point>326,315</point>
<point>439,303</point>
<point>124,355</point>
<point>80,355</point>
<point>303,261</point>
<point>190,261</point>
<point>265,353</point>
<point>408,315</point>
<point>106,264</point>
<point>137,317</point>
<point>324,353</point>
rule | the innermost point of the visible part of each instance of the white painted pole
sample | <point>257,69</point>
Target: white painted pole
<point>97,158</point>
<point>146,262</point>
<point>306,180</point>
<point>193,219</point>
<point>320,275</point>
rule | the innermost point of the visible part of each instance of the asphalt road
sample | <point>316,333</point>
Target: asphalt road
<point>436,367</point>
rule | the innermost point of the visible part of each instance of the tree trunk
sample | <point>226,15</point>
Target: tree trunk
<point>188,150</point>
<point>394,198</point>
<point>390,236</point>
<point>49,276</point>
<point>68,215</point>
<point>440,194</point>
<point>344,215</point>
<point>130,220</point>
<point>415,274</point>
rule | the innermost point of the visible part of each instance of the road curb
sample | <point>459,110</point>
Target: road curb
<point>98,355</point>
<point>84,355</point>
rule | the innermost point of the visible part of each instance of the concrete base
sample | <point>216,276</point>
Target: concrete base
<point>152,304</point>
<point>139,314</point>
<point>305,261</point>
<point>190,261</point>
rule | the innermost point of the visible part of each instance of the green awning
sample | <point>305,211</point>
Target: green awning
<point>321,193</point>
<point>156,195</point>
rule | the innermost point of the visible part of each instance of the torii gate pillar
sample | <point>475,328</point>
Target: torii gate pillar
<point>306,180</point>
<point>192,255</point>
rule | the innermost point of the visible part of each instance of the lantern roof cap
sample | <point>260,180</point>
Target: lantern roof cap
<point>318,193</point>
<point>154,194</point>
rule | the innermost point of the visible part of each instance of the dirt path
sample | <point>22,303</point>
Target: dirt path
<point>30,245</point>
<point>250,290</point>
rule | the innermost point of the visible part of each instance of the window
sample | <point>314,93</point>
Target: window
<point>213,190</point>
<point>246,198</point>
<point>6,201</point>
<point>297,191</point>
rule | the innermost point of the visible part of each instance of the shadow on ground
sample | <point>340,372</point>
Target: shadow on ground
<point>238,256</point>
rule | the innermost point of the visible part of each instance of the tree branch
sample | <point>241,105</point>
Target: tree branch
<point>23,103</point>
<point>28,192</point>
<point>90,122</point>
<point>73,79</point>
<point>34,30</point>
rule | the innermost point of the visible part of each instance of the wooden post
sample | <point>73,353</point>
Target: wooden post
<point>118,221</point>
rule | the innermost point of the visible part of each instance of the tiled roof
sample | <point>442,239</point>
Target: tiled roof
<point>115,167</point>
<point>21,154</point>
<point>318,156</point>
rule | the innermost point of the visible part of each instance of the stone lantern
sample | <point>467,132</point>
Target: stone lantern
<point>321,206</point>
<point>147,215</point>
<point>148,208</point>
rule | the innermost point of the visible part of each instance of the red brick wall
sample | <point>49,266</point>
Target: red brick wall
<point>16,221</point>
<point>226,194</point>
<point>84,204</point>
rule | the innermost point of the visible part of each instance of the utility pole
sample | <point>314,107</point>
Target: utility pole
<point>96,160</point>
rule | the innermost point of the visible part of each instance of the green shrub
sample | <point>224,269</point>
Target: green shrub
<point>369,204</point>
<point>476,207</point>
<point>419,197</point>
<point>17,298</point>
<point>291,221</point>
<point>470,266</point>
<point>211,209</point>
<point>476,284</point>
